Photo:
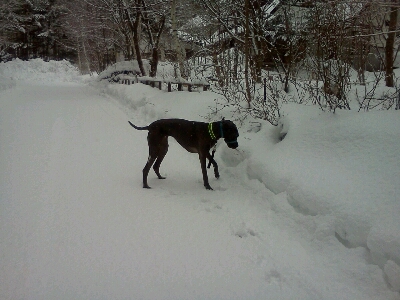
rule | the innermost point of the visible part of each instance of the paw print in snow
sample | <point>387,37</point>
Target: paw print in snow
<point>243,231</point>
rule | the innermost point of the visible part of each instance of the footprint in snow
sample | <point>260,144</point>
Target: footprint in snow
<point>210,209</point>
<point>243,231</point>
<point>273,276</point>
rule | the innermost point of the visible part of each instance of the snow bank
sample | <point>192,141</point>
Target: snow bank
<point>38,70</point>
<point>6,82</point>
<point>345,165</point>
<point>154,104</point>
<point>341,167</point>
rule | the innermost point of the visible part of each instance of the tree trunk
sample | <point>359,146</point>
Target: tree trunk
<point>136,38</point>
<point>154,38</point>
<point>154,62</point>
<point>179,69</point>
<point>247,51</point>
<point>389,51</point>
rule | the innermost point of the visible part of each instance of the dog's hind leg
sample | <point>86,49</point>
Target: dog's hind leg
<point>163,149</point>
<point>154,149</point>
<point>146,169</point>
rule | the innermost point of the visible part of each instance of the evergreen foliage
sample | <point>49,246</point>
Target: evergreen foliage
<point>34,29</point>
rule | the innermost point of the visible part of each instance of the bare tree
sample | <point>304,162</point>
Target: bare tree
<point>116,27</point>
<point>330,52</point>
<point>247,51</point>
<point>133,16</point>
<point>154,23</point>
<point>237,29</point>
<point>383,36</point>
<point>176,45</point>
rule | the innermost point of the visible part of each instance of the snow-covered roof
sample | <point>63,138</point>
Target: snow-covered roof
<point>124,67</point>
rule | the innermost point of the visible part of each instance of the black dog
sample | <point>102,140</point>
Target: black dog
<point>195,137</point>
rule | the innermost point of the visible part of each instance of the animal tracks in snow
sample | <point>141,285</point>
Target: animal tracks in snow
<point>273,276</point>
<point>221,208</point>
<point>242,231</point>
<point>237,228</point>
<point>209,206</point>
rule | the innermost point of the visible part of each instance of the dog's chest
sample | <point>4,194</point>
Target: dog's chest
<point>192,149</point>
<point>188,146</point>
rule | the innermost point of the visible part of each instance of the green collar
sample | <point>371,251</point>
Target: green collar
<point>210,131</point>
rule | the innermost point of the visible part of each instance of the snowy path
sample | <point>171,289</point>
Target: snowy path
<point>76,224</point>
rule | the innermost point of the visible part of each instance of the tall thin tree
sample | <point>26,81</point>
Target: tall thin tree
<point>390,41</point>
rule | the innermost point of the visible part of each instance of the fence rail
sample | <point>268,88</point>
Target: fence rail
<point>157,82</point>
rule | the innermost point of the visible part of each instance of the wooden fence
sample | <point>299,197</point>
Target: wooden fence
<point>157,82</point>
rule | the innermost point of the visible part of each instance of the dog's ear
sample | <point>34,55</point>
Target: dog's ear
<point>223,119</point>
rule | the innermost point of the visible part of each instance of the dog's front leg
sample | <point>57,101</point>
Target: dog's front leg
<point>214,163</point>
<point>202,157</point>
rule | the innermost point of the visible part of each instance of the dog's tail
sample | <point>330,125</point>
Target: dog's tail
<point>139,128</point>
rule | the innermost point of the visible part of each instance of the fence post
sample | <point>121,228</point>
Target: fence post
<point>265,90</point>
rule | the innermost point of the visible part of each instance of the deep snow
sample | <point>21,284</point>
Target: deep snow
<point>314,216</point>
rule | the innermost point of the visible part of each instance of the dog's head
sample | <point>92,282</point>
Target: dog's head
<point>230,133</point>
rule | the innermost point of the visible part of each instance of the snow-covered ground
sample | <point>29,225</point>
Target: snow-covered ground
<point>314,216</point>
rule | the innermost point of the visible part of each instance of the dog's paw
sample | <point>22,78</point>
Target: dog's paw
<point>208,187</point>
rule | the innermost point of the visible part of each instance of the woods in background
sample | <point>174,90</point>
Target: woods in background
<point>244,39</point>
